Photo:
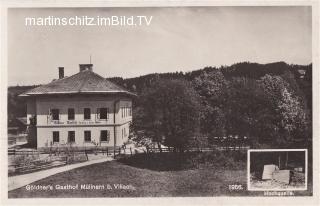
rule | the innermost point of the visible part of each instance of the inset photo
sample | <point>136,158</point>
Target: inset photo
<point>277,169</point>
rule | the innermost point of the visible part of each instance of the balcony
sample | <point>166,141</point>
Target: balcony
<point>76,122</point>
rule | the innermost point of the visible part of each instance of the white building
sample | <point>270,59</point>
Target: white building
<point>82,110</point>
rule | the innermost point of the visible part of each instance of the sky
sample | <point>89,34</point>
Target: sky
<point>178,39</point>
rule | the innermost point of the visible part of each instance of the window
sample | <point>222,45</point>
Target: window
<point>125,112</point>
<point>122,133</point>
<point>104,136</point>
<point>87,113</point>
<point>71,136</point>
<point>55,114</point>
<point>70,114</point>
<point>87,136</point>
<point>55,136</point>
<point>103,113</point>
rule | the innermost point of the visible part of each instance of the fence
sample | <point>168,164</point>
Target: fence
<point>24,161</point>
<point>32,160</point>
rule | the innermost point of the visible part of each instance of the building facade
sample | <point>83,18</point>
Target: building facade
<point>83,110</point>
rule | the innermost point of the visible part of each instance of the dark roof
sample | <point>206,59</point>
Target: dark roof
<point>86,82</point>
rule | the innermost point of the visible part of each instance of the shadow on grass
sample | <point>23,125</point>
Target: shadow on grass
<point>171,161</point>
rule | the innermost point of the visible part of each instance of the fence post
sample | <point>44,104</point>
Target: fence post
<point>107,151</point>
<point>119,150</point>
<point>130,151</point>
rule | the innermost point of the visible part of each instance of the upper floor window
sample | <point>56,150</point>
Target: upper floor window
<point>70,114</point>
<point>104,136</point>
<point>103,113</point>
<point>55,136</point>
<point>87,136</point>
<point>87,113</point>
<point>126,111</point>
<point>54,114</point>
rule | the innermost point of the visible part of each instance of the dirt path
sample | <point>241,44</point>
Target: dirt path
<point>18,181</point>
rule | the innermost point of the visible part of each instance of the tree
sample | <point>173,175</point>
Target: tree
<point>289,118</point>
<point>211,87</point>
<point>170,113</point>
<point>245,102</point>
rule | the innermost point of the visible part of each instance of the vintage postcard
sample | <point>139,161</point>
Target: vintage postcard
<point>160,102</point>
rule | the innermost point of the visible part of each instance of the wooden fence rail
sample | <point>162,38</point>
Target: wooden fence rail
<point>118,151</point>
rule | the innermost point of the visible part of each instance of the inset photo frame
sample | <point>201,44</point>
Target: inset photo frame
<point>277,169</point>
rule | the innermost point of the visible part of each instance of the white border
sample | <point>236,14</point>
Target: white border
<point>278,150</point>
<point>222,200</point>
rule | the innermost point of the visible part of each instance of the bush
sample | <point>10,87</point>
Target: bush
<point>228,160</point>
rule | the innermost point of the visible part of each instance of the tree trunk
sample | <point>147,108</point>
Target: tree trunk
<point>159,146</point>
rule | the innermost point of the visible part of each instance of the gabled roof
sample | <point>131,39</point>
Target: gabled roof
<point>86,82</point>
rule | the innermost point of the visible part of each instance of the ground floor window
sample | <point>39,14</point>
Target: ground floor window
<point>55,136</point>
<point>105,136</point>
<point>124,134</point>
<point>71,136</point>
<point>87,136</point>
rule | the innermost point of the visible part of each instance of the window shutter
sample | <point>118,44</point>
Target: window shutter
<point>108,135</point>
<point>107,113</point>
<point>98,113</point>
<point>50,115</point>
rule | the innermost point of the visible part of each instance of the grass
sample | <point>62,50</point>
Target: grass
<point>206,180</point>
<point>231,160</point>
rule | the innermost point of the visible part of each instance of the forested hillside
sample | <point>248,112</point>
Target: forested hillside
<point>269,103</point>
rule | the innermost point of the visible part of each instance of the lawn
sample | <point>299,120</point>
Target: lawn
<point>143,182</point>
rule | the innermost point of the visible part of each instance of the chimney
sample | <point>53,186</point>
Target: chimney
<point>61,72</point>
<point>85,67</point>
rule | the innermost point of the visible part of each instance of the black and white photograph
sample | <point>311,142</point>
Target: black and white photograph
<point>160,101</point>
<point>277,169</point>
